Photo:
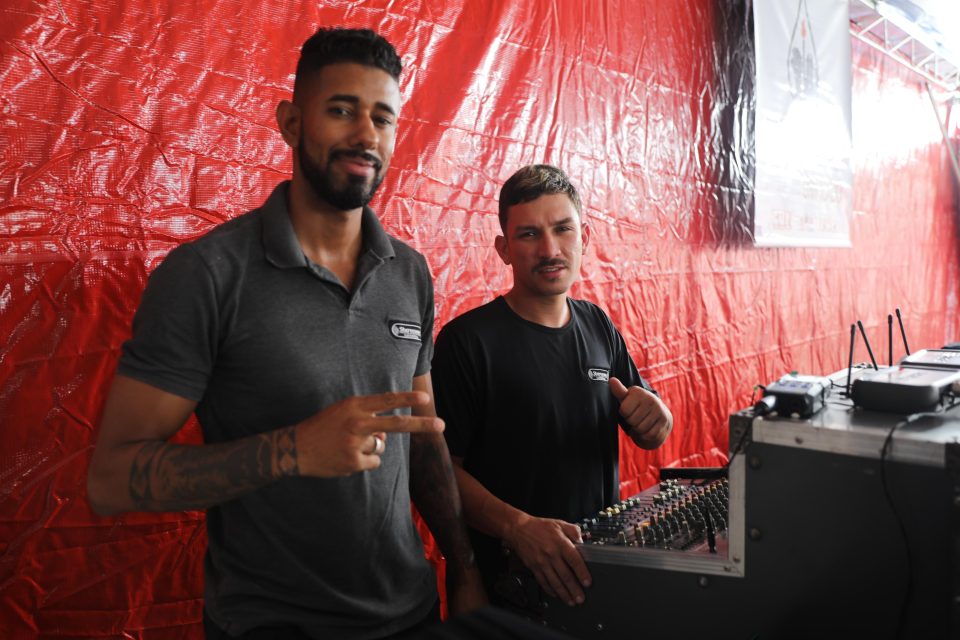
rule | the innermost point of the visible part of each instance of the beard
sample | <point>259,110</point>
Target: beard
<point>354,193</point>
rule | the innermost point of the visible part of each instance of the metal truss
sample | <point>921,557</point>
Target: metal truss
<point>870,27</point>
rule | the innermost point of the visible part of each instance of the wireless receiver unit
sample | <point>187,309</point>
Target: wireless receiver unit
<point>919,383</point>
<point>795,396</point>
<point>933,359</point>
<point>903,390</point>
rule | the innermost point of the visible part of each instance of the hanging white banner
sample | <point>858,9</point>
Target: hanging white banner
<point>803,134</point>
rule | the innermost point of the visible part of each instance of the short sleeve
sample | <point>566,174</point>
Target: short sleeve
<point>426,320</point>
<point>457,388</point>
<point>174,341</point>
<point>624,367</point>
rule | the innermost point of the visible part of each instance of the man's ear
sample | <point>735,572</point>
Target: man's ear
<point>500,244</point>
<point>585,235</point>
<point>289,120</point>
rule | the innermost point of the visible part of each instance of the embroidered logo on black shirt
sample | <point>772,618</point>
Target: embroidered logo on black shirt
<point>599,375</point>
<point>405,331</point>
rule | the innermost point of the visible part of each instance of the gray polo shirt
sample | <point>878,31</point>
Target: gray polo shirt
<point>243,323</point>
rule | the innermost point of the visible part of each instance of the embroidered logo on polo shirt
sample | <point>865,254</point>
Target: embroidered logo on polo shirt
<point>405,330</point>
<point>599,375</point>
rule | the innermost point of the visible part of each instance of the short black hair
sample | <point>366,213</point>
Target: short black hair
<point>533,181</point>
<point>335,45</point>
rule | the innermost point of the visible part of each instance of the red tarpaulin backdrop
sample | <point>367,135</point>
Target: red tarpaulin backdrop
<point>130,127</point>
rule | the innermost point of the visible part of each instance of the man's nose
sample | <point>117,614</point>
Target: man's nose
<point>549,247</point>
<point>365,134</point>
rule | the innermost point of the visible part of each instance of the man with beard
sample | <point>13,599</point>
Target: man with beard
<point>300,334</point>
<point>532,387</point>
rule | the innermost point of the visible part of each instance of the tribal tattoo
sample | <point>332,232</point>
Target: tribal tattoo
<point>172,477</point>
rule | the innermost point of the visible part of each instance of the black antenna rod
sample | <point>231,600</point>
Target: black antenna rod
<point>902,332</point>
<point>853,340</point>
<point>890,338</point>
<point>867,342</point>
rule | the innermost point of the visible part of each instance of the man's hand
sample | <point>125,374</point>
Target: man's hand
<point>546,547</point>
<point>647,418</point>
<point>349,436</point>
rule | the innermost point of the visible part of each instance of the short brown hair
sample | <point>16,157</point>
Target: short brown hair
<point>533,181</point>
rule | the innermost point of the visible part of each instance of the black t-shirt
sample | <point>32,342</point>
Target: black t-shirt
<point>530,411</point>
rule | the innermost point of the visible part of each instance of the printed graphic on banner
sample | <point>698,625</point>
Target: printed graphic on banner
<point>803,132</point>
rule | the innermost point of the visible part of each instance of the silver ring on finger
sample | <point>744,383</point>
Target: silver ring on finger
<point>379,446</point>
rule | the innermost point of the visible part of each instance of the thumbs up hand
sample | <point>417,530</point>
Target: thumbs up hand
<point>645,417</point>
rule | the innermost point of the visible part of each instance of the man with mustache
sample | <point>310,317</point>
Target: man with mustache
<point>300,336</point>
<point>532,387</point>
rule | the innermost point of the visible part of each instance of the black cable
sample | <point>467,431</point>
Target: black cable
<point>884,451</point>
<point>737,448</point>
<point>949,401</point>
<point>841,399</point>
<point>761,407</point>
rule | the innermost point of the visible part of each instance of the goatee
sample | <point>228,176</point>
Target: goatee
<point>356,192</point>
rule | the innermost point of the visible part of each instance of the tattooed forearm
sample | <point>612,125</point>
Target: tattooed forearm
<point>433,488</point>
<point>170,477</point>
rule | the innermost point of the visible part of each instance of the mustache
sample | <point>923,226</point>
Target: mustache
<point>556,262</point>
<point>358,155</point>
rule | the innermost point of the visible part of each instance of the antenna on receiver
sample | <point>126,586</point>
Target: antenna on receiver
<point>902,332</point>
<point>853,340</point>
<point>867,342</point>
<point>890,338</point>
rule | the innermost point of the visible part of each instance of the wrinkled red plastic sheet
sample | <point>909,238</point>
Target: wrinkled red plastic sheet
<point>130,127</point>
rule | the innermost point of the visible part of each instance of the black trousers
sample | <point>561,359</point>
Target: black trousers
<point>213,632</point>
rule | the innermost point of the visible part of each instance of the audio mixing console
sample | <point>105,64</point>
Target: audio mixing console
<point>676,514</point>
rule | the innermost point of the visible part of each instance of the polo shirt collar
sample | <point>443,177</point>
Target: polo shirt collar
<point>280,243</point>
